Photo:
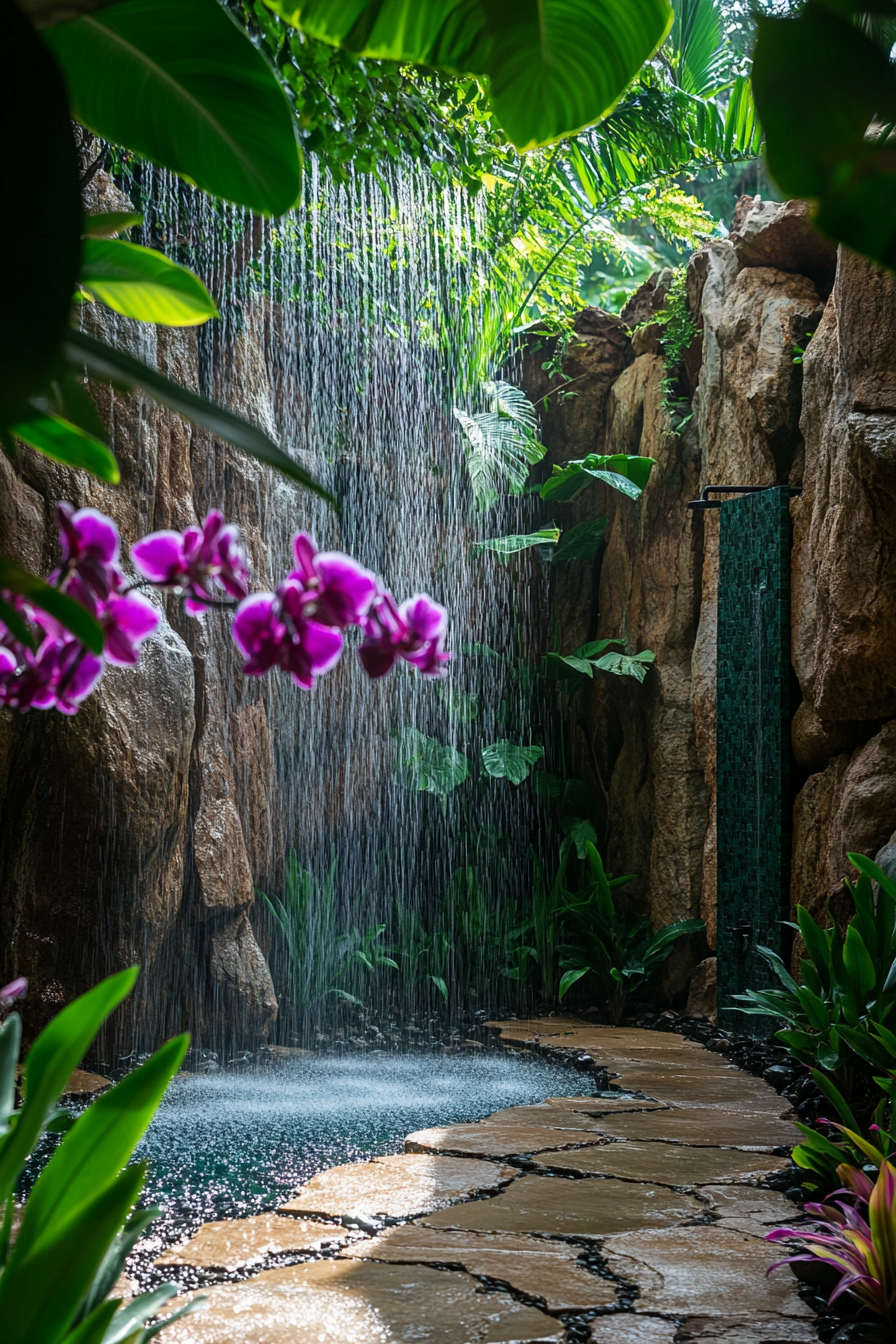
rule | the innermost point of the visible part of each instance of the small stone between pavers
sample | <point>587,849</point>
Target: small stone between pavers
<point>402,1186</point>
<point>536,1266</point>
<point>712,1129</point>
<point>493,1140</point>
<point>351,1302</point>
<point>665,1164</point>
<point>567,1208</point>
<point>239,1242</point>
<point>692,1271</point>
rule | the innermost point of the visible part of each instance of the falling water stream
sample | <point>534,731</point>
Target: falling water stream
<point>349,331</point>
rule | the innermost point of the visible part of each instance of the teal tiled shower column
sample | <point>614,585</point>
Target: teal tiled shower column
<point>752,745</point>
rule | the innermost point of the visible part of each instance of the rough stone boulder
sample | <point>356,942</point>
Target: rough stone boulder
<point>780,234</point>
<point>844,560</point>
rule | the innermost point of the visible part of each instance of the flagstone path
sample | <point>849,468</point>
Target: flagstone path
<point>635,1218</point>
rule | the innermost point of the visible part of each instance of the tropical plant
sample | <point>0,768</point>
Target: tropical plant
<point>425,765</point>
<point>322,957</point>
<point>58,1274</point>
<point>863,1144</point>
<point>628,475</point>
<point>854,1239</point>
<point>505,547</point>
<point>501,443</point>
<point>541,931</point>
<point>840,1019</point>
<point>550,71</point>
<point>596,656</point>
<point>619,952</point>
<point>510,760</point>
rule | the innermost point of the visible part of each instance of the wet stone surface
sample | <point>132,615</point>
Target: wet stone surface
<point>693,1271</point>
<point>585,1208</point>
<point>239,1242</point>
<point>548,1270</point>
<point>665,1164</point>
<point>346,1302</point>
<point>629,1217</point>
<point>713,1129</point>
<point>496,1140</point>
<point>402,1186</point>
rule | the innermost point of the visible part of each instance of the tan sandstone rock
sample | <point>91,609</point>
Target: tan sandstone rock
<point>401,1186</point>
<point>705,1128</point>
<point>664,1164</point>
<point>238,1242</point>
<point>696,1270</point>
<point>494,1140</point>
<point>335,1301</point>
<point>581,1208</point>
<point>539,1267</point>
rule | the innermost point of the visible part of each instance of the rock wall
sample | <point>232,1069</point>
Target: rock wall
<point>135,830</point>
<point>827,425</point>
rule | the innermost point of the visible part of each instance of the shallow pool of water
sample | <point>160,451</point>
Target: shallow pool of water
<point>233,1144</point>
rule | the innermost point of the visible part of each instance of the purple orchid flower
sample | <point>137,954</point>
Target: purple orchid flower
<point>339,590</point>
<point>90,547</point>
<point>59,676</point>
<point>414,631</point>
<point>193,559</point>
<point>272,630</point>
<point>14,990</point>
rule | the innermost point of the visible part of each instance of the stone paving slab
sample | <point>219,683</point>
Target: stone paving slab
<point>554,1117</point>
<point>347,1302</point>
<point>403,1186</point>
<point>602,1105</point>
<point>494,1140</point>
<point>572,1208</point>
<point>702,1089</point>
<point>702,1129</point>
<point>537,1266</point>
<point>236,1243</point>
<point>740,1209</point>
<point>691,1271</point>
<point>699,1330</point>
<point>666,1164</point>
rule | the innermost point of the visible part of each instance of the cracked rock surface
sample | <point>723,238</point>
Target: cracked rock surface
<point>629,1216</point>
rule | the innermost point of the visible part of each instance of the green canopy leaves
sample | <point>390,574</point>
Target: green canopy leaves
<point>553,67</point>
<point>183,86</point>
<point>500,444</point>
<point>424,765</point>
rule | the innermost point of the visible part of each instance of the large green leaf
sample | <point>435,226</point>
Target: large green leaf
<point>629,475</point>
<point>505,547</point>
<point>424,765</point>
<point>501,444</point>
<point>554,66</point>
<point>64,442</point>
<point>41,1292</point>
<point>41,246</point>
<point>10,1040</point>
<point>100,1143</point>
<point>101,361</point>
<point>55,1054</point>
<point>510,760</point>
<point>627,665</point>
<point>142,283</point>
<point>181,83</point>
<point>581,542</point>
<point>820,82</point>
<point>68,612</point>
